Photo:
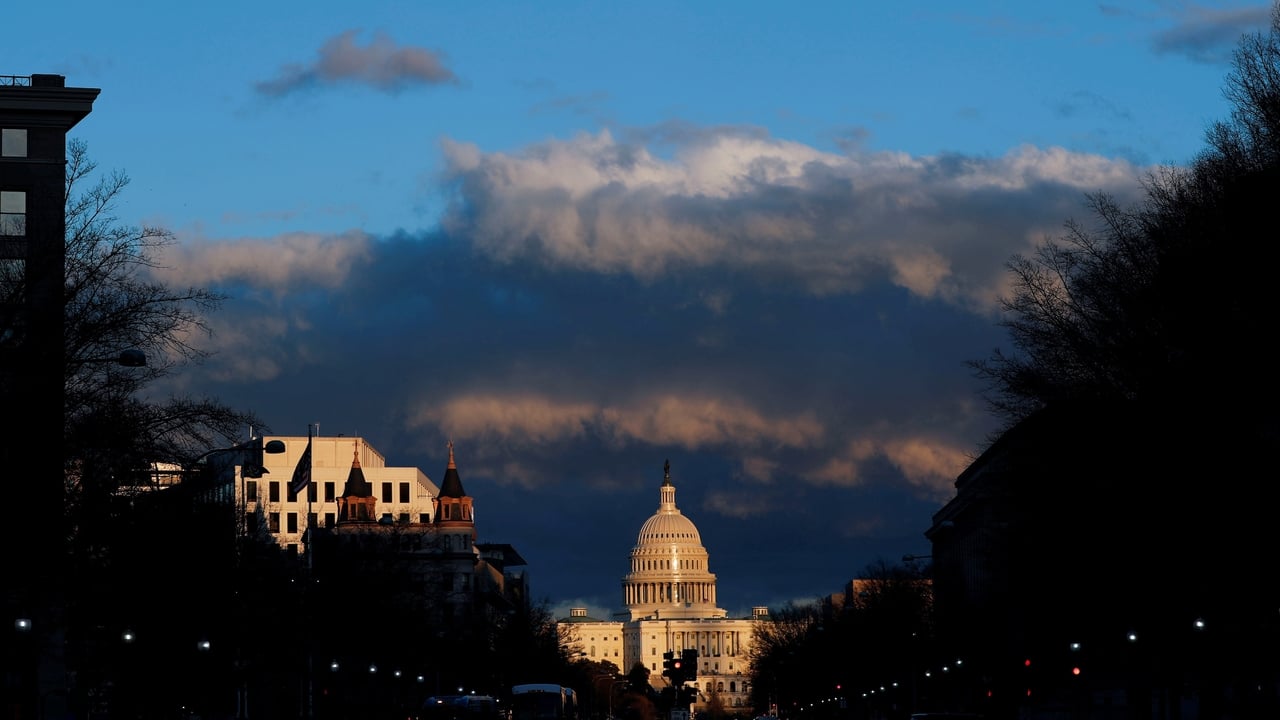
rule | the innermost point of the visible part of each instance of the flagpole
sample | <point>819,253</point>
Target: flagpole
<point>307,596</point>
<point>310,492</point>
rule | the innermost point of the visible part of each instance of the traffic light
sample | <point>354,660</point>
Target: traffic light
<point>689,664</point>
<point>668,664</point>
<point>687,696</point>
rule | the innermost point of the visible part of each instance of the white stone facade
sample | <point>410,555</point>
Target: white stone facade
<point>404,494</point>
<point>670,597</point>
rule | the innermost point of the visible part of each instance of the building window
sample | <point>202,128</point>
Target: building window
<point>292,496</point>
<point>330,520</point>
<point>251,490</point>
<point>13,142</point>
<point>13,213</point>
<point>273,491</point>
<point>404,518</point>
<point>311,520</point>
<point>328,492</point>
<point>404,492</point>
<point>273,522</point>
<point>386,492</point>
<point>311,492</point>
<point>291,522</point>
<point>424,518</point>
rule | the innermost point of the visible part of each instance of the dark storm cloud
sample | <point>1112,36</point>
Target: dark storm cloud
<point>1210,35</point>
<point>789,327</point>
<point>381,64</point>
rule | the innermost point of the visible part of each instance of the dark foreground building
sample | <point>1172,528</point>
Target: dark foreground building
<point>36,112</point>
<point>1109,563</point>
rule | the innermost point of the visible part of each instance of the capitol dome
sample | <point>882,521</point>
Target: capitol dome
<point>664,528</point>
<point>670,575</point>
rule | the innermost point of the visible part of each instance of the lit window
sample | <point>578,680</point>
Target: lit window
<point>13,142</point>
<point>13,213</point>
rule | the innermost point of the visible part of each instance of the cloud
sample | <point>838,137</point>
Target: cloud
<point>1211,35</point>
<point>940,226</point>
<point>381,65</point>
<point>930,464</point>
<point>280,263</point>
<point>679,420</point>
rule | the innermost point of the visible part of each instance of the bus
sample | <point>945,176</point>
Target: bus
<point>543,701</point>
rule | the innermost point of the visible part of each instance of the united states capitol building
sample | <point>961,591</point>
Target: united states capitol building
<point>670,599</point>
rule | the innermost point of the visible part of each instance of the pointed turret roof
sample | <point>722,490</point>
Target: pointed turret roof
<point>356,485</point>
<point>452,484</point>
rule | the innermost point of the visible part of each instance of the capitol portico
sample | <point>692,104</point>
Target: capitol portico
<point>670,599</point>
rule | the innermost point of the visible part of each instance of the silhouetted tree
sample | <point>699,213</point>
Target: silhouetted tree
<point>1166,304</point>
<point>114,432</point>
<point>1142,368</point>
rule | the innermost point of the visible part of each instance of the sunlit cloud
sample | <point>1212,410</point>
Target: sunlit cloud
<point>672,420</point>
<point>381,64</point>
<point>940,227</point>
<point>276,264</point>
<point>930,465</point>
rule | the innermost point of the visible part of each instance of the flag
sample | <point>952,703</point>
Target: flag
<point>302,473</point>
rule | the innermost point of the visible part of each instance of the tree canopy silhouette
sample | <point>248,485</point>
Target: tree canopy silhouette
<point>1167,305</point>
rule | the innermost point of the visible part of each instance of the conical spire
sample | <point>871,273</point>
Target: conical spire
<point>451,486</point>
<point>357,503</point>
<point>356,485</point>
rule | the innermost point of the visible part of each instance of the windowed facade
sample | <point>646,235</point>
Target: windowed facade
<point>13,142</point>
<point>404,492</point>
<point>386,492</point>
<point>273,491</point>
<point>273,522</point>
<point>251,490</point>
<point>329,492</point>
<point>291,522</point>
<point>13,213</point>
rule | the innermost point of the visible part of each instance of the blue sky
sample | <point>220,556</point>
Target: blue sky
<point>760,240</point>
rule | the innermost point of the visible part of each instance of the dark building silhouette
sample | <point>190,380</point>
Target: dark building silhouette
<point>36,112</point>
<point>1112,540</point>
